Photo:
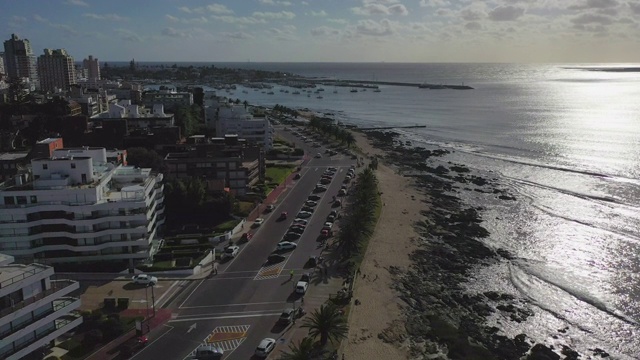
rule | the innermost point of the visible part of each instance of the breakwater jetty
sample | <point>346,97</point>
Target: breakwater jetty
<point>373,84</point>
<point>393,127</point>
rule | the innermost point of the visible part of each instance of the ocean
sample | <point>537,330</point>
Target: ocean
<point>565,141</point>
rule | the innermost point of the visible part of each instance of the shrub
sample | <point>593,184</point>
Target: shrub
<point>92,338</point>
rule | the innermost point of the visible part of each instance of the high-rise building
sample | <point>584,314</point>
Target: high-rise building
<point>93,68</point>
<point>56,70</point>
<point>19,59</point>
<point>2,68</point>
<point>34,308</point>
<point>81,207</point>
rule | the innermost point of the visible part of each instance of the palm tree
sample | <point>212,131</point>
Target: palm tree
<point>349,139</point>
<point>327,323</point>
<point>303,350</point>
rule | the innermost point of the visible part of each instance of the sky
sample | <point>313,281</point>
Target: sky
<point>514,31</point>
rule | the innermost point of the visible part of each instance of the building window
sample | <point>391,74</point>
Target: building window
<point>21,200</point>
<point>45,166</point>
<point>73,165</point>
<point>9,200</point>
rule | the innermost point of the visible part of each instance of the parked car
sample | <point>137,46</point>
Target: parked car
<point>208,352</point>
<point>133,346</point>
<point>342,192</point>
<point>265,347</point>
<point>310,203</point>
<point>246,236</point>
<point>325,181</point>
<point>307,209</point>
<point>319,189</point>
<point>297,176</point>
<point>326,233</point>
<point>301,287</point>
<point>301,221</point>
<point>314,197</point>
<point>144,279</point>
<point>289,314</point>
<point>286,245</point>
<point>296,229</point>
<point>257,222</point>
<point>283,215</point>
<point>318,156</point>
<point>269,208</point>
<point>336,203</point>
<point>230,252</point>
<point>332,168</point>
<point>292,236</point>
<point>331,218</point>
<point>304,214</point>
<point>275,258</point>
<point>328,225</point>
<point>306,277</point>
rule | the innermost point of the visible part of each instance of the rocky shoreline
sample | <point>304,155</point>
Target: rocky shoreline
<point>444,321</point>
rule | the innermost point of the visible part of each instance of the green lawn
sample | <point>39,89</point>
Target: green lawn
<point>276,174</point>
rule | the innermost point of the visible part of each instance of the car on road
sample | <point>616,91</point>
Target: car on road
<point>292,235</point>
<point>314,197</point>
<point>321,186</point>
<point>269,208</point>
<point>332,168</point>
<point>246,236</point>
<point>288,315</point>
<point>283,215</point>
<point>257,222</point>
<point>265,347</point>
<point>297,176</point>
<point>318,156</point>
<point>286,245</point>
<point>342,192</point>
<point>307,209</point>
<point>320,189</point>
<point>301,287</point>
<point>133,346</point>
<point>230,252</point>
<point>310,203</point>
<point>331,218</point>
<point>305,277</point>
<point>144,279</point>
<point>325,181</point>
<point>275,258</point>
<point>296,229</point>
<point>208,352</point>
<point>304,214</point>
<point>301,221</point>
<point>328,225</point>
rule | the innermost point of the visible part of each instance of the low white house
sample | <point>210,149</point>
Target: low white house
<point>228,119</point>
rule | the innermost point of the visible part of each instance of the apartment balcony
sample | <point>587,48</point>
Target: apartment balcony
<point>59,288</point>
<point>61,326</point>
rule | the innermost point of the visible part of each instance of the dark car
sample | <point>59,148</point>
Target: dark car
<point>325,181</point>
<point>297,176</point>
<point>296,229</point>
<point>314,197</point>
<point>133,346</point>
<point>283,215</point>
<point>331,218</point>
<point>291,236</point>
<point>269,208</point>
<point>275,258</point>
<point>336,203</point>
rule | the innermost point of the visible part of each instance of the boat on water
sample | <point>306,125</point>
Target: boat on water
<point>377,90</point>
<point>270,93</point>
<point>296,92</point>
<point>319,97</point>
<point>354,90</point>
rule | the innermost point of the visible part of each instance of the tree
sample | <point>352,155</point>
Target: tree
<point>303,350</point>
<point>326,323</point>
<point>144,158</point>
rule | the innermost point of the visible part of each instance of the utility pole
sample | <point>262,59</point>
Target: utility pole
<point>153,301</point>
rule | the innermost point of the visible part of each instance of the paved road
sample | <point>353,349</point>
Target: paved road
<point>241,304</point>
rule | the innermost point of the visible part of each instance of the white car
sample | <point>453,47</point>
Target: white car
<point>301,287</point>
<point>257,222</point>
<point>304,214</point>
<point>310,203</point>
<point>230,252</point>
<point>328,225</point>
<point>144,279</point>
<point>286,245</point>
<point>265,347</point>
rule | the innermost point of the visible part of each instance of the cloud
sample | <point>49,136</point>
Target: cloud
<point>286,33</point>
<point>238,35</point>
<point>171,18</point>
<point>635,8</point>
<point>320,13</point>
<point>109,17</point>
<point>374,28</point>
<point>384,2</point>
<point>275,3</point>
<point>584,19</point>
<point>172,32</point>
<point>473,25</point>
<point>67,29</point>
<point>469,14</point>
<point>338,21</point>
<point>594,4</point>
<point>398,9</point>
<point>506,13</point>
<point>218,9</point>
<point>40,18</point>
<point>76,3</point>
<point>432,3</point>
<point>287,15</point>
<point>18,19</point>
<point>128,35</point>
<point>371,9</point>
<point>239,20</point>
<point>324,31</point>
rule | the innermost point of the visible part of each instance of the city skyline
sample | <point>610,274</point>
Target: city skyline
<point>331,30</point>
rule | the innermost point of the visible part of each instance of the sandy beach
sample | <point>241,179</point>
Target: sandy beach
<point>376,326</point>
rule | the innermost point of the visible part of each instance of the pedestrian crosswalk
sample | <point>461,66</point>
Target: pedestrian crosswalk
<point>227,338</point>
<point>269,272</point>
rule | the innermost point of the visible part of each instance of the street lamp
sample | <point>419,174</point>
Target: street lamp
<point>153,300</point>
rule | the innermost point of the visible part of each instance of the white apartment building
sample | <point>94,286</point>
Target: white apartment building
<point>34,309</point>
<point>76,207</point>
<point>138,117</point>
<point>228,119</point>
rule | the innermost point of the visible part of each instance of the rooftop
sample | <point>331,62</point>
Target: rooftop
<point>13,156</point>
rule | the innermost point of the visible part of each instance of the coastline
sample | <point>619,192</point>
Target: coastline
<point>376,326</point>
<point>424,250</point>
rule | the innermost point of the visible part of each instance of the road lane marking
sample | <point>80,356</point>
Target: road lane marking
<point>228,338</point>
<point>191,293</point>
<point>241,304</point>
<point>159,301</point>
<point>227,317</point>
